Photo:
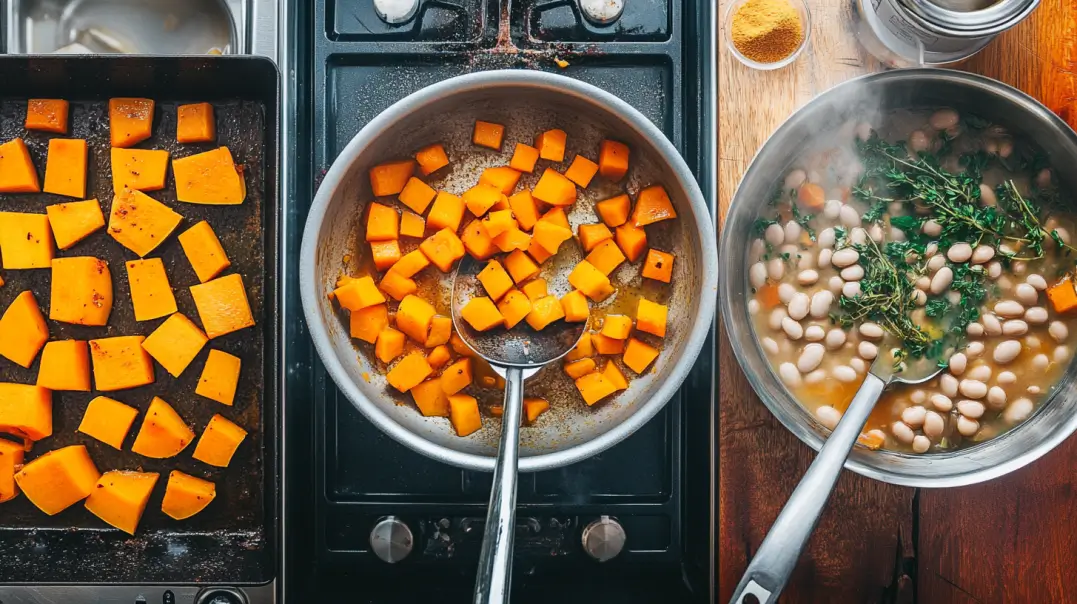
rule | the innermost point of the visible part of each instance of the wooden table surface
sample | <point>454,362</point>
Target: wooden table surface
<point>1010,540</point>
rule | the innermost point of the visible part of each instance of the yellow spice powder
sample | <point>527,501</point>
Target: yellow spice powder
<point>767,31</point>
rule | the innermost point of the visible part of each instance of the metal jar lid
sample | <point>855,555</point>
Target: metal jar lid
<point>991,20</point>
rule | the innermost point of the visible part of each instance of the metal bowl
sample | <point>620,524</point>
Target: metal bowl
<point>526,102</point>
<point>1056,418</point>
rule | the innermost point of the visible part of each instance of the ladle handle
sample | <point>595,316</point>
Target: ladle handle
<point>494,579</point>
<point>769,570</point>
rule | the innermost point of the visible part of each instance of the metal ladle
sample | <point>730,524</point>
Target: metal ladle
<point>773,563</point>
<point>515,355</point>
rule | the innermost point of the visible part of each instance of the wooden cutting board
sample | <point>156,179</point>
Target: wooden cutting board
<point>1010,540</point>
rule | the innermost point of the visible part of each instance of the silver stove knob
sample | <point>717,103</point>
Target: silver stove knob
<point>396,12</point>
<point>391,540</point>
<point>601,12</point>
<point>603,539</point>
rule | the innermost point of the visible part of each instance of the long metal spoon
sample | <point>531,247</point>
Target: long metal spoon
<point>771,566</point>
<point>515,355</point>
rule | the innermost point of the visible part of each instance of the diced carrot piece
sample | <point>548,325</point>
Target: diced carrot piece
<point>390,178</point>
<point>488,134</point>
<point>446,213</point>
<point>606,257</point>
<point>512,239</point>
<point>456,377</point>
<point>580,368</point>
<point>482,314</point>
<point>389,345</point>
<point>481,198</point>
<point>409,372</point>
<point>618,327</point>
<point>607,345</point>
<point>613,373</point>
<point>495,280</point>
<point>464,414</point>
<point>583,349</point>
<point>550,236</point>
<point>574,303</point>
<point>534,407</point>
<point>613,160</point>
<point>365,324</point>
<point>556,216</point>
<point>414,317</point>
<point>614,211</point>
<point>385,253</point>
<point>545,311</point>
<point>553,188</point>
<point>443,248</point>
<point>638,356</point>
<point>535,289</point>
<point>514,307</point>
<point>477,241</point>
<point>658,266</point>
<point>17,172</point>
<point>551,145</point>
<point>440,331</point>
<point>520,266</point>
<point>651,317</point>
<point>382,223</point>
<point>524,158</point>
<point>502,178</point>
<point>523,207</point>
<point>594,387</point>
<point>412,262</point>
<point>195,123</point>
<point>593,234</point>
<point>438,357</point>
<point>358,294</point>
<point>397,285</point>
<point>47,115</point>
<point>811,196</point>
<point>431,159</point>
<point>581,171</point>
<point>429,397</point>
<point>538,252</point>
<point>498,222</point>
<point>417,195</point>
<point>1063,295</point>
<point>652,205</point>
<point>412,225</point>
<point>632,240</point>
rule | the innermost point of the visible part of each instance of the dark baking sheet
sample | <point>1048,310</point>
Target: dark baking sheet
<point>233,539</point>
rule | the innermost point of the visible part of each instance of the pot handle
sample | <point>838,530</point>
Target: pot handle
<point>771,566</point>
<point>494,580</point>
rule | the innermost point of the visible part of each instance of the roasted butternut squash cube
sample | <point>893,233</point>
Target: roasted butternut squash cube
<point>613,374</point>
<point>651,317</point>
<point>139,169</point>
<point>607,345</point>
<point>25,411</point>
<point>534,407</point>
<point>120,498</point>
<point>431,159</point>
<point>631,239</point>
<point>581,171</point>
<point>186,495</point>
<point>524,209</point>
<point>220,377</point>
<point>538,252</point>
<point>151,294</point>
<point>210,178</point>
<point>481,198</point>
<point>606,256</point>
<point>139,222</point>
<point>556,216</point>
<point>397,285</point>
<point>495,280</point>
<point>593,234</point>
<point>25,240</point>
<point>488,134</point>
<point>502,178</point>
<point>23,330</point>
<point>440,331</point>
<point>431,399</point>
<point>652,205</point>
<point>550,236</point>
<point>219,442</point>
<point>535,289</point>
<point>592,282</point>
<point>412,225</point>
<point>482,314</point>
<point>390,344</point>
<point>409,372</point>
<point>365,324</point>
<point>65,365</point>
<point>58,479</point>
<point>11,457</point>
<point>163,433</point>
<point>512,239</point>
<point>17,172</point>
<point>443,248</point>
<point>390,178</point>
<point>520,266</point>
<point>81,291</point>
<point>222,305</point>
<point>446,213</point>
<point>545,311</point>
<point>47,115</point>
<point>73,221</point>
<point>658,266</point>
<point>438,357</point>
<point>514,307</point>
<point>613,160</point>
<point>638,356</point>
<point>195,123</point>
<point>579,368</point>
<point>130,121</point>
<point>614,211</point>
<point>551,145</point>
<point>459,346</point>
<point>457,376</point>
<point>583,349</point>
<point>464,414</point>
<point>477,241</point>
<point>417,195</point>
<point>120,363</point>
<point>384,253</point>
<point>524,158</point>
<point>382,223</point>
<point>175,343</point>
<point>553,188</point>
<point>204,251</point>
<point>411,263</point>
<point>414,317</point>
<point>108,421</point>
<point>574,304</point>
<point>65,170</point>
<point>617,327</point>
<point>594,387</point>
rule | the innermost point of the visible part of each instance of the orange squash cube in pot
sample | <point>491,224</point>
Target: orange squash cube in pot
<point>120,498</point>
<point>535,289</point>
<point>481,198</point>
<point>551,145</point>
<point>502,178</point>
<point>477,241</point>
<point>651,317</point>
<point>579,368</point>
<point>658,266</point>
<point>186,495</point>
<point>397,285</point>
<point>437,358</point>
<point>512,239</point>
<point>390,345</point>
<point>130,121</point>
<point>534,407</point>
<point>409,372</point>
<point>440,331</point>
<point>556,216</point>
<point>593,234</point>
<point>443,248</point>
<point>584,348</point>
<point>594,387</point>
<point>618,327</point>
<point>613,160</point>
<point>367,323</point>
<point>464,414</point>
<point>431,159</point>
<point>23,330</point>
<point>457,376</point>
<point>195,123</point>
<point>417,195</point>
<point>613,374</point>
<point>58,479</point>
<point>614,211</point>
<point>606,256</point>
<point>488,134</point>
<point>65,365</point>
<point>553,188</point>
<point>412,225</point>
<point>382,223</point>
<point>581,171</point>
<point>632,240</point>
<point>219,442</point>
<point>514,307</point>
<point>12,455</point>
<point>638,356</point>
<point>414,317</point>
<point>163,433</point>
<point>482,314</point>
<point>545,311</point>
<point>389,178</point>
<point>430,398</point>
<point>652,205</point>
<point>385,253</point>
<point>498,222</point>
<point>520,266</point>
<point>47,115</point>
<point>73,221</point>
<point>607,345</point>
<point>524,209</point>
<point>495,280</point>
<point>524,158</point>
<point>151,294</point>
<point>550,236</point>
<point>411,263</point>
<point>592,282</point>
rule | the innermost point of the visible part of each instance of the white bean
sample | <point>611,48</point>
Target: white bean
<point>775,234</point>
<point>863,131</point>
<point>871,331</point>
<point>753,306</point>
<point>1058,331</point>
<point>770,346</point>
<point>1017,411</point>
<point>820,304</point>
<point>996,397</point>
<point>834,284</point>
<point>1019,267</point>
<point>982,254</point>
<point>1063,234</point>
<point>902,432</point>
<point>776,317</point>
<point>858,365</point>
<point>1009,309</point>
<point>966,426</point>
<point>757,275</point>
<point>994,270</point>
<point>849,216</point>
<point>789,374</point>
<point>858,236</point>
<point>852,273</point>
<point>1040,362</point>
<point>980,372</point>
<point>1033,390</point>
<point>974,349</point>
<point>792,232</point>
<point>1006,378</point>
<point>1026,294</point>
<point>1037,315</point>
<point>918,397</point>
<point>932,228</point>
<point>826,238</point>
<point>776,269</point>
<point>851,289</point>
<point>844,373</point>
<point>959,252</point>
<point>987,196</point>
<point>810,358</point>
<point>931,249</point>
<point>795,178</point>
<point>942,280</point>
<point>825,255</point>
<point>789,249</point>
<point>923,282</point>
<point>920,444</point>
<point>970,409</point>
<point>933,424</point>
<point>868,351</point>
<point>1014,327</point>
<point>845,257</point>
<point>1005,352</point>
<point>828,416</point>
<point>814,333</point>
<point>816,377</point>
<point>1036,281</point>
<point>798,306</point>
<point>943,119</point>
<point>876,233</point>
<point>913,417</point>
<point>957,363</point>
<point>919,297</point>
<point>974,330</point>
<point>897,234</point>
<point>935,263</point>
<point>1061,354</point>
<point>832,208</point>
<point>972,389</point>
<point>805,261</point>
<point>792,328</point>
<point>941,402</point>
<point>918,141</point>
<point>835,338</point>
<point>948,384</point>
<point>992,326</point>
<point>1031,341</point>
<point>786,291</point>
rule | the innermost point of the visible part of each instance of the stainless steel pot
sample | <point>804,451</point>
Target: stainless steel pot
<point>1057,417</point>
<point>526,102</point>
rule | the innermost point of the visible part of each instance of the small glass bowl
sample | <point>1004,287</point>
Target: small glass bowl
<point>805,21</point>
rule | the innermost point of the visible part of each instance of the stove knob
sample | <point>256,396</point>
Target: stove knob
<point>220,595</point>
<point>391,540</point>
<point>396,12</point>
<point>601,12</point>
<point>603,539</point>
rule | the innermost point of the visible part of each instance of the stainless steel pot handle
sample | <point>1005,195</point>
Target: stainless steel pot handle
<point>771,566</point>
<point>494,580</point>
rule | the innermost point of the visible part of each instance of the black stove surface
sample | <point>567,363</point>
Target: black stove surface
<point>346,476</point>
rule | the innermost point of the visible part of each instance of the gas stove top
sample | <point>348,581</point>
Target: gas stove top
<point>370,520</point>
